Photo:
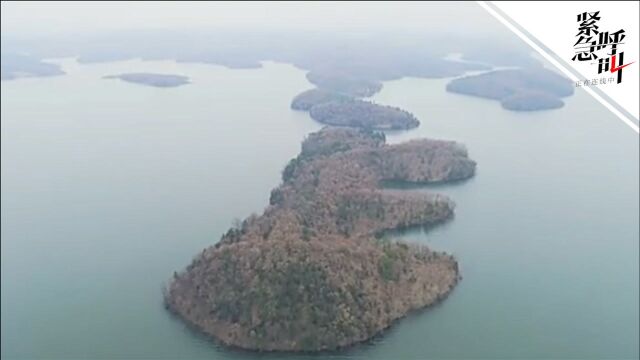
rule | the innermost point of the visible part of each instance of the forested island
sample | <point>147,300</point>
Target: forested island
<point>517,89</point>
<point>363,114</point>
<point>337,109</point>
<point>151,79</point>
<point>315,271</point>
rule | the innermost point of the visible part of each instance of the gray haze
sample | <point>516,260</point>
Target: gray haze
<point>40,18</point>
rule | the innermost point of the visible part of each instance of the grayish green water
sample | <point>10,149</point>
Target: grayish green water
<point>108,187</point>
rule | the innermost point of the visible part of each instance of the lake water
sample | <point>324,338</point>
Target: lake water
<point>108,187</point>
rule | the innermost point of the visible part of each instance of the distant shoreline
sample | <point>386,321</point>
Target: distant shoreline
<point>152,79</point>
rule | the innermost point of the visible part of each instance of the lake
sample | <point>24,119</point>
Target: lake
<point>109,187</point>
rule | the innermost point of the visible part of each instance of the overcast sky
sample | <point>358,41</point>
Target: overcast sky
<point>62,17</point>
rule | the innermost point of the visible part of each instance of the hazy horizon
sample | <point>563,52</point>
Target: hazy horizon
<point>71,18</point>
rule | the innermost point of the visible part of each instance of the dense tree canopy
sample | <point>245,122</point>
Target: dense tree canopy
<point>311,272</point>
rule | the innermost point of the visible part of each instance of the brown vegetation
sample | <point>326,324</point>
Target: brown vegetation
<point>337,109</point>
<point>313,271</point>
<point>363,114</point>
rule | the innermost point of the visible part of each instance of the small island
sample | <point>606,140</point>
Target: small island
<point>363,114</point>
<point>518,90</point>
<point>331,108</point>
<point>151,79</point>
<point>315,271</point>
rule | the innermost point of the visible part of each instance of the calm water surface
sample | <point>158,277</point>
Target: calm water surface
<point>108,187</point>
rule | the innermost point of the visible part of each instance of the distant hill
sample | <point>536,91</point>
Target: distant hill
<point>15,66</point>
<point>517,89</point>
